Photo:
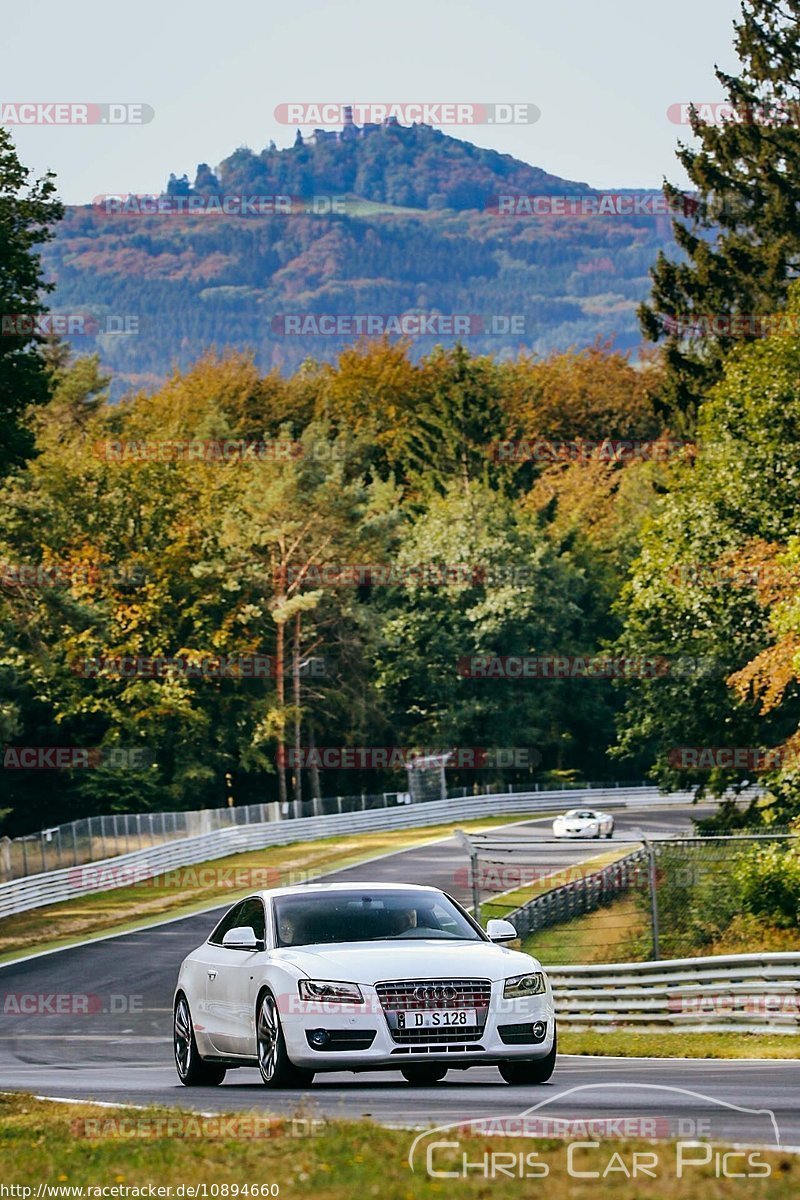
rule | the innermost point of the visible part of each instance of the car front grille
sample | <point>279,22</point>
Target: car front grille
<point>409,995</point>
<point>416,995</point>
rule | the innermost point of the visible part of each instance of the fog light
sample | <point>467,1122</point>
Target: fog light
<point>539,1029</point>
<point>319,1038</point>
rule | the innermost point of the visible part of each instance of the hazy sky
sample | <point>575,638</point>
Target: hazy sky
<point>603,75</point>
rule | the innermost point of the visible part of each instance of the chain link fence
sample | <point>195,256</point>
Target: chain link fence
<point>645,899</point>
<point>92,839</point>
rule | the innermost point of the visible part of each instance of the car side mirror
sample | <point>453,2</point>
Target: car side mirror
<point>501,931</point>
<point>242,938</point>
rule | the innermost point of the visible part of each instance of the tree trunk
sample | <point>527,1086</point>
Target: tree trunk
<point>281,695</point>
<point>313,770</point>
<point>298,770</point>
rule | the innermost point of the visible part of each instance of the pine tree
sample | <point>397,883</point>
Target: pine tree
<point>742,240</point>
<point>27,209</point>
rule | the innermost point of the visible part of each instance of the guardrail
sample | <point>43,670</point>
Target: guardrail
<point>752,993</point>
<point>92,839</point>
<point>52,887</point>
<point>579,896</point>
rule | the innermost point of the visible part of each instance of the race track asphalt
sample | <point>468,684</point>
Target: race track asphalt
<point>113,1041</point>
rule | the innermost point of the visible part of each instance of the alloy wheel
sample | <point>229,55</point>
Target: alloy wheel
<point>267,1035</point>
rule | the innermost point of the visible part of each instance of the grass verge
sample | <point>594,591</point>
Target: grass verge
<point>191,889</point>
<point>46,1143</point>
<point>629,1043</point>
<point>609,934</point>
<point>504,903</point>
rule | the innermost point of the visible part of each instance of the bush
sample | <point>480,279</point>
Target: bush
<point>769,882</point>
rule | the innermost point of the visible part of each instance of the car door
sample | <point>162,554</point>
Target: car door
<point>213,1009</point>
<point>234,985</point>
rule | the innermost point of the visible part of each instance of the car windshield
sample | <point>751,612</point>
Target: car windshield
<point>579,814</point>
<point>369,917</point>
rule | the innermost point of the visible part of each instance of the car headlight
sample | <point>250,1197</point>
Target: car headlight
<point>525,985</point>
<point>325,989</point>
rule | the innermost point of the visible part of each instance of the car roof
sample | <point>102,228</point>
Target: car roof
<point>305,889</point>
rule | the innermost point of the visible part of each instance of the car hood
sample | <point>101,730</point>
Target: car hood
<point>371,962</point>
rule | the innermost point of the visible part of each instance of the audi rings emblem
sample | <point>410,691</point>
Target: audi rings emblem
<point>435,993</point>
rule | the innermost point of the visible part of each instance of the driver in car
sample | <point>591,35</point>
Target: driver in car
<point>401,920</point>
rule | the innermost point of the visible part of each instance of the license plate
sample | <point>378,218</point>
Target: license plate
<point>437,1018</point>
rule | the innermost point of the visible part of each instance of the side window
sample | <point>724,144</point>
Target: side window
<point>251,914</point>
<point>229,921</point>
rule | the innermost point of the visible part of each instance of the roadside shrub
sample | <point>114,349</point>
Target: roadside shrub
<point>769,881</point>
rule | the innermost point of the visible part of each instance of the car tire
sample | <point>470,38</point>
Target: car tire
<point>528,1072</point>
<point>423,1075</point>
<point>277,1069</point>
<point>610,832</point>
<point>193,1071</point>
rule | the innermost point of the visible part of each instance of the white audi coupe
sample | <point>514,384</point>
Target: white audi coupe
<point>360,977</point>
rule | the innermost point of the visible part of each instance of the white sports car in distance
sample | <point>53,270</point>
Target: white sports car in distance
<point>360,977</point>
<point>584,823</point>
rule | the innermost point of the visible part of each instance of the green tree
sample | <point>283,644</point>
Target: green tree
<point>27,210</point>
<point>688,597</point>
<point>741,246</point>
<point>508,593</point>
<point>288,519</point>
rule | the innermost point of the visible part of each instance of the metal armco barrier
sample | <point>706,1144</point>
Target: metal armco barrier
<point>580,896</point>
<point>752,993</point>
<point>92,839</point>
<point>52,887</point>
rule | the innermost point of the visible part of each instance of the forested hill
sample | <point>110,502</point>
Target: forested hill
<point>408,166</point>
<point>418,234</point>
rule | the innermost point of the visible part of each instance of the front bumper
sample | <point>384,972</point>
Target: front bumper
<point>352,1025</point>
